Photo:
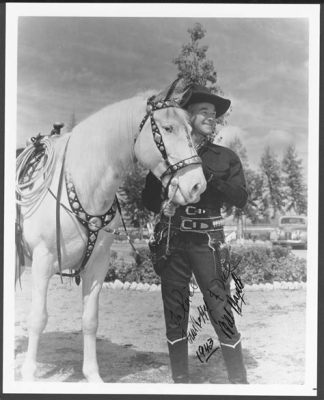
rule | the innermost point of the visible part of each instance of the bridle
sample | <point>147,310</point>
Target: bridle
<point>171,169</point>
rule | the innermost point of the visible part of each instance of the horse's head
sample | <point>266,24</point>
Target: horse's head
<point>165,147</point>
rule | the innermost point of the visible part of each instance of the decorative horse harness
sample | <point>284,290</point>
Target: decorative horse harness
<point>172,169</point>
<point>94,223</point>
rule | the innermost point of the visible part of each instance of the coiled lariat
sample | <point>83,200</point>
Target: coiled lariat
<point>34,171</point>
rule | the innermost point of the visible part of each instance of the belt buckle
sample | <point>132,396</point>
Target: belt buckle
<point>191,210</point>
<point>184,225</point>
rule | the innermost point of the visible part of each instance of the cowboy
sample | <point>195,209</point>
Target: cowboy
<point>190,239</point>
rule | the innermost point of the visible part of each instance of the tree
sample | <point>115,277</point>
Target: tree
<point>237,146</point>
<point>254,187</point>
<point>130,195</point>
<point>255,208</point>
<point>193,65</point>
<point>272,183</point>
<point>294,188</point>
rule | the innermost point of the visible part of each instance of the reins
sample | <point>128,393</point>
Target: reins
<point>174,190</point>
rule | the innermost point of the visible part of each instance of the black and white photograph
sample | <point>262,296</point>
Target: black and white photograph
<point>161,199</point>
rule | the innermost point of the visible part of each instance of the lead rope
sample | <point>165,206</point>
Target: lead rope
<point>173,189</point>
<point>125,229</point>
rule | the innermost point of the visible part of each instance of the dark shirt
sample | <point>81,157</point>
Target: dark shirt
<point>225,181</point>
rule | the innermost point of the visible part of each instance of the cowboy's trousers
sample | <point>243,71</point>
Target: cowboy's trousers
<point>193,253</point>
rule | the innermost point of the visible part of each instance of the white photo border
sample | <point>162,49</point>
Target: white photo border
<point>13,12</point>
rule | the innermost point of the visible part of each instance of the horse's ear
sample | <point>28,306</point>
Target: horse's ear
<point>181,91</point>
<point>174,92</point>
<point>171,89</point>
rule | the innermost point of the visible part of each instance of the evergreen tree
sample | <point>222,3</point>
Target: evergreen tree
<point>237,146</point>
<point>295,190</point>
<point>193,65</point>
<point>253,208</point>
<point>272,183</point>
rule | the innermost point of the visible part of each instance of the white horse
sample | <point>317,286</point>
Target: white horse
<point>99,150</point>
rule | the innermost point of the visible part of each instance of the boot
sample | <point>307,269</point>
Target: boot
<point>178,353</point>
<point>234,362</point>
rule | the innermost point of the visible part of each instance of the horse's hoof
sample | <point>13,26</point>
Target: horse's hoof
<point>28,372</point>
<point>94,378</point>
<point>92,374</point>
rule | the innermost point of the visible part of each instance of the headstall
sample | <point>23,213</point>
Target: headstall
<point>171,169</point>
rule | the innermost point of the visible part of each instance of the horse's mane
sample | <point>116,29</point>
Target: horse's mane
<point>104,139</point>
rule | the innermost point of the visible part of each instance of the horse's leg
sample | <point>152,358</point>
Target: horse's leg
<point>92,281</point>
<point>41,273</point>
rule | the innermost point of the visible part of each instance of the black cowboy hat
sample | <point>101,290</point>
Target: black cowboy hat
<point>200,94</point>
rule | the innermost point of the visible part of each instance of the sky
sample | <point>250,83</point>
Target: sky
<point>76,65</point>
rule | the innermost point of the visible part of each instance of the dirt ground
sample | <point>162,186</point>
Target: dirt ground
<point>131,337</point>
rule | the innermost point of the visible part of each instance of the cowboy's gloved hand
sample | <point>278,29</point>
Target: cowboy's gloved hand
<point>169,208</point>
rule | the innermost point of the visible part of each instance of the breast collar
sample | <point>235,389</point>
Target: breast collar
<point>93,223</point>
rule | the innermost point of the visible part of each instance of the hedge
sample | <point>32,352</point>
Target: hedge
<point>259,264</point>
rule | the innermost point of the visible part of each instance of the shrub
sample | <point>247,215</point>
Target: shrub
<point>259,264</point>
<point>140,270</point>
<point>257,235</point>
<point>266,264</point>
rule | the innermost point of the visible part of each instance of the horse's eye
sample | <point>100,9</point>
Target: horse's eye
<point>168,128</point>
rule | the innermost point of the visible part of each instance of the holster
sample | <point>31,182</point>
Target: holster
<point>226,260</point>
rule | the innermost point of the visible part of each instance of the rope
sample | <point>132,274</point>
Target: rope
<point>173,189</point>
<point>33,175</point>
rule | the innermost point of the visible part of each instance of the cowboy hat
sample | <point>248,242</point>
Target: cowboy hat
<point>200,94</point>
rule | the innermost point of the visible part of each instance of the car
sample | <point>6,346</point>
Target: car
<point>291,231</point>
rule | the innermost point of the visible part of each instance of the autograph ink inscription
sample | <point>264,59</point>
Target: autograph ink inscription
<point>197,323</point>
<point>206,351</point>
<point>205,313</point>
<point>227,322</point>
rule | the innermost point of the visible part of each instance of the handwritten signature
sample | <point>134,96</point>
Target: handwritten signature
<point>236,302</point>
<point>226,322</point>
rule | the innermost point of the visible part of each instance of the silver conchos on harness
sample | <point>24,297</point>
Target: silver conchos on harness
<point>93,223</point>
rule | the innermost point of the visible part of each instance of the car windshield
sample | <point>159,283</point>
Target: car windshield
<point>293,220</point>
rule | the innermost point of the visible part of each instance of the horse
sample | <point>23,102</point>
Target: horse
<point>91,160</point>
